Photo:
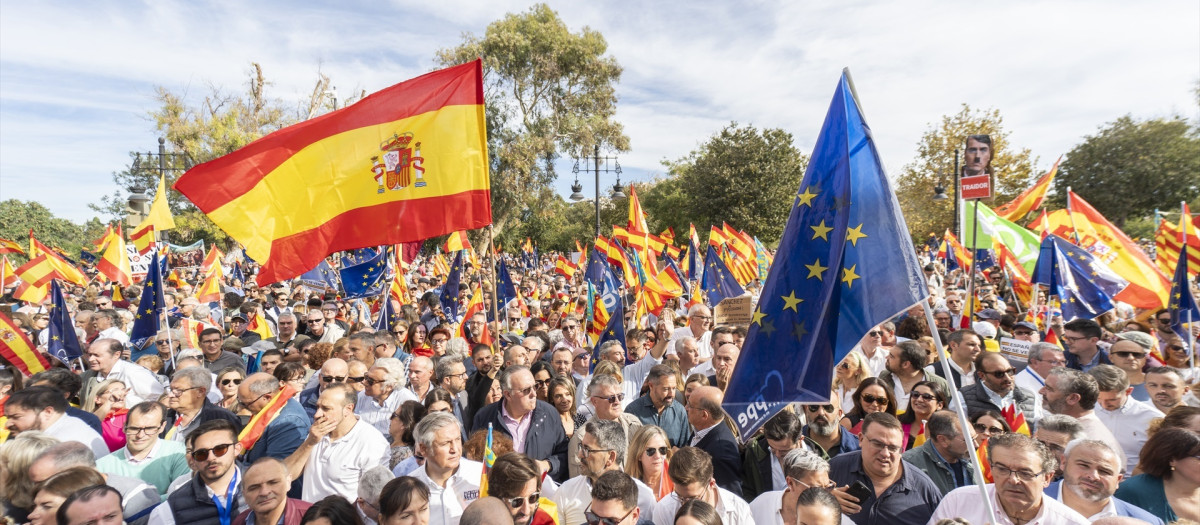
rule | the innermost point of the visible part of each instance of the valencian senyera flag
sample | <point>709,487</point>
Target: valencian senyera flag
<point>404,164</point>
<point>845,263</point>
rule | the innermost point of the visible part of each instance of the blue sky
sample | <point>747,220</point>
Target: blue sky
<point>77,80</point>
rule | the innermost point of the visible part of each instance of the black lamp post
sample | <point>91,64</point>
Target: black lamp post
<point>138,201</point>
<point>939,192</point>
<point>577,188</point>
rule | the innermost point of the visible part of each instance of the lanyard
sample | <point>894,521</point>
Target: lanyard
<point>225,512</point>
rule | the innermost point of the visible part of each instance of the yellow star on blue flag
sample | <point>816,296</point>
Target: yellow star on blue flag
<point>366,279</point>
<point>1182,305</point>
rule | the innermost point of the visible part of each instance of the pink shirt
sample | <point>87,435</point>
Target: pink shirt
<point>517,428</point>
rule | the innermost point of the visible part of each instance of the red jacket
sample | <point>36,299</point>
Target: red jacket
<point>291,514</point>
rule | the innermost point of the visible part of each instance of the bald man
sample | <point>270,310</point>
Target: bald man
<point>334,370</point>
<point>712,436</point>
<point>265,487</point>
<point>488,510</point>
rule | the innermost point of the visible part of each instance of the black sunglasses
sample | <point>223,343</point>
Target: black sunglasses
<point>333,379</point>
<point>817,408</point>
<point>922,395</point>
<point>660,450</point>
<point>218,451</point>
<point>617,398</point>
<point>518,501</point>
<point>593,519</point>
<point>1001,374</point>
<point>1127,355</point>
<point>227,382</point>
<point>869,399</point>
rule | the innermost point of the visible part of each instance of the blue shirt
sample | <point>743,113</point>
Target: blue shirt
<point>673,419</point>
<point>1146,492</point>
<point>283,435</point>
<point>911,499</point>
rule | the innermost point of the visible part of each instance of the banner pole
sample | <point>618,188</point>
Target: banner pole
<point>1183,227</point>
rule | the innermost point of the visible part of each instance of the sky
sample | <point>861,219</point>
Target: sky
<point>78,80</point>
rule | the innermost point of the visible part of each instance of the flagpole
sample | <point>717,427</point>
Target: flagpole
<point>495,290</point>
<point>974,253</point>
<point>960,408</point>
<point>1071,215</point>
<point>170,344</point>
<point>1183,227</point>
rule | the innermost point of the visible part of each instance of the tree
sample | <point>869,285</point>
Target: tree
<point>1012,167</point>
<point>1131,167</point>
<point>742,176</point>
<point>549,92</point>
<point>18,217</point>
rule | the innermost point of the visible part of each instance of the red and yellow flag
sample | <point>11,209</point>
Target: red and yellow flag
<point>637,217</point>
<point>565,267</point>
<point>1015,419</point>
<point>404,164</point>
<point>474,306</point>
<point>456,242</point>
<point>17,349</point>
<point>258,423</point>
<point>143,239</point>
<point>1168,243</point>
<point>213,259</point>
<point>9,274</point>
<point>114,263</point>
<point>35,279</point>
<point>985,463</point>
<point>259,325</point>
<point>65,269</point>
<point>1021,283</point>
<point>209,290</point>
<point>1030,199</point>
<point>7,246</point>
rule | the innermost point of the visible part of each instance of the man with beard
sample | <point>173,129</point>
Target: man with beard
<point>265,487</point>
<point>1074,393</point>
<point>1166,387</point>
<point>517,481</point>
<point>660,407</point>
<point>1055,432</point>
<point>900,492</point>
<point>824,430</point>
<point>214,494</point>
<point>602,448</point>
<point>995,389</point>
<point>1022,468</point>
<point>1090,477</point>
<point>943,457</point>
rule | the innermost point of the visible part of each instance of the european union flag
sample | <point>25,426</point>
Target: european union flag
<point>845,263</point>
<point>984,259</point>
<point>614,331</point>
<point>87,257</point>
<point>323,277</point>
<point>146,318</point>
<point>63,344</point>
<point>237,273</point>
<point>387,316</point>
<point>951,259</point>
<point>718,282</point>
<point>1181,303</point>
<point>507,290</point>
<point>359,256</point>
<point>1084,285</point>
<point>670,263</point>
<point>606,284</point>
<point>449,296</point>
<point>365,279</point>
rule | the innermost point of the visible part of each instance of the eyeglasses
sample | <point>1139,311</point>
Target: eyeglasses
<point>570,326</point>
<point>817,408</point>
<point>1164,320</point>
<point>828,486</point>
<point>869,399</point>
<point>875,333</point>
<point>356,379</point>
<point>1001,374</point>
<point>891,449</point>
<point>1070,339</point>
<point>518,501</point>
<point>333,379</point>
<point>922,395</point>
<point>702,317</point>
<point>616,398</point>
<point>133,431</point>
<point>1054,447</point>
<point>1018,475</point>
<point>660,450</point>
<point>593,519</point>
<point>177,392</point>
<point>984,429</point>
<point>438,341</point>
<point>371,381</point>
<point>1129,355</point>
<point>540,382</point>
<point>1022,332</point>
<point>316,321</point>
<point>584,450</point>
<point>218,451</point>
<point>227,382</point>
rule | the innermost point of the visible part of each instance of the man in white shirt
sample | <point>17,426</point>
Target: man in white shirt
<point>700,321</point>
<point>382,395</point>
<point>1127,418</point>
<point>106,322</point>
<point>1042,358</point>
<point>420,377</point>
<point>718,337</point>
<point>339,448</point>
<point>804,469</point>
<point>44,408</point>
<point>103,356</point>
<point>602,449</point>
<point>453,481</point>
<point>692,472</point>
<point>1074,393</point>
<point>869,346</point>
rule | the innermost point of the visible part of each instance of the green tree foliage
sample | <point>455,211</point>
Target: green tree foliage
<point>549,92</point>
<point>1131,167</point>
<point>1013,169</point>
<point>741,175</point>
<point>18,217</point>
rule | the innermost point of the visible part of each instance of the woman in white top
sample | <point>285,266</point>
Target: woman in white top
<point>848,374</point>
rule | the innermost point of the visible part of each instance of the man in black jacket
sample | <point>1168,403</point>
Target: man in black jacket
<point>534,425</point>
<point>995,389</point>
<point>712,436</point>
<point>214,495</point>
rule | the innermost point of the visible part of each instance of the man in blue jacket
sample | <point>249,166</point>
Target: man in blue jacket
<point>1091,474</point>
<point>533,425</point>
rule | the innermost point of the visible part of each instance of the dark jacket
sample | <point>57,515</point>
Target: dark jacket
<point>192,504</point>
<point>977,400</point>
<point>1073,360</point>
<point>1123,508</point>
<point>545,441</point>
<point>293,513</point>
<point>308,400</point>
<point>926,458</point>
<point>208,412</point>
<point>727,462</point>
<point>757,466</point>
<point>849,443</point>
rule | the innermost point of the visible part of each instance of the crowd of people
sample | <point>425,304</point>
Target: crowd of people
<point>508,419</point>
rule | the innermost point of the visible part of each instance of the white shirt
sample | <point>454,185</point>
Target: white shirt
<point>334,466</point>
<point>380,416</point>
<point>732,509</point>
<point>705,341</point>
<point>964,502</point>
<point>1129,425</point>
<point>1030,380</point>
<point>1093,428</point>
<point>446,504</point>
<point>701,433</point>
<point>574,496</point>
<point>778,480</point>
<point>878,363</point>
<point>69,428</point>
<point>113,332</point>
<point>637,372</point>
<point>704,369</point>
<point>142,384</point>
<point>765,509</point>
<point>1110,508</point>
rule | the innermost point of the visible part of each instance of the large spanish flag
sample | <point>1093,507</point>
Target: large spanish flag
<point>17,349</point>
<point>1030,199</point>
<point>404,164</point>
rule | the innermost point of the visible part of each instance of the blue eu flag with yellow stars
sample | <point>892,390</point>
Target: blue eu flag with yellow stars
<point>504,284</point>
<point>449,296</point>
<point>322,277</point>
<point>146,318</point>
<point>63,343</point>
<point>1181,302</point>
<point>614,331</point>
<point>845,264</point>
<point>1084,285</point>
<point>365,279</point>
<point>718,282</point>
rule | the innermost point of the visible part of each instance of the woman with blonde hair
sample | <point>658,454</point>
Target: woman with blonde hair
<point>849,373</point>
<point>52,492</point>
<point>107,402</point>
<point>648,458</point>
<point>16,455</point>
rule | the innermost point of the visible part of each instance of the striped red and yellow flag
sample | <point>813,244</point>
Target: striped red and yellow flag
<point>637,217</point>
<point>565,267</point>
<point>17,349</point>
<point>35,279</point>
<point>143,239</point>
<point>456,242</point>
<point>209,290</point>
<point>1015,419</point>
<point>259,325</point>
<point>1017,276</point>
<point>1168,242</point>
<point>1030,199</point>
<point>474,306</point>
<point>258,423</point>
<point>985,463</point>
<point>404,164</point>
<point>920,438</point>
<point>7,246</point>
<point>9,273</point>
<point>67,271</point>
<point>114,263</point>
<point>213,259</point>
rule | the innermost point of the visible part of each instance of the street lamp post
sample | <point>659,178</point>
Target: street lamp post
<point>138,201</point>
<point>577,189</point>
<point>939,193</point>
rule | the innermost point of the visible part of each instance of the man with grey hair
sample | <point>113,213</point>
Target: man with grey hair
<point>370,485</point>
<point>450,373</point>
<point>699,327</point>
<point>1090,477</point>
<point>288,338</point>
<point>1074,393</point>
<point>803,469</point>
<point>420,377</point>
<point>138,498</point>
<point>1127,418</point>
<point>534,426</point>
<point>103,358</point>
<point>287,422</point>
<point>1055,431</point>
<point>606,397</point>
<point>382,393</point>
<point>189,402</point>
<point>453,480</point>
<point>602,448</point>
<point>107,323</point>
<point>1042,358</point>
<point>943,457</point>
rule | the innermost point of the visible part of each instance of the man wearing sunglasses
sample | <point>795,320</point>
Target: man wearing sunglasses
<point>338,449</point>
<point>614,501</point>
<point>803,469</point>
<point>823,428</point>
<point>996,389</point>
<point>214,495</point>
<point>382,394</point>
<point>333,371</point>
<point>534,426</point>
<point>602,449</point>
<point>516,480</point>
<point>287,422</point>
<point>605,394</point>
